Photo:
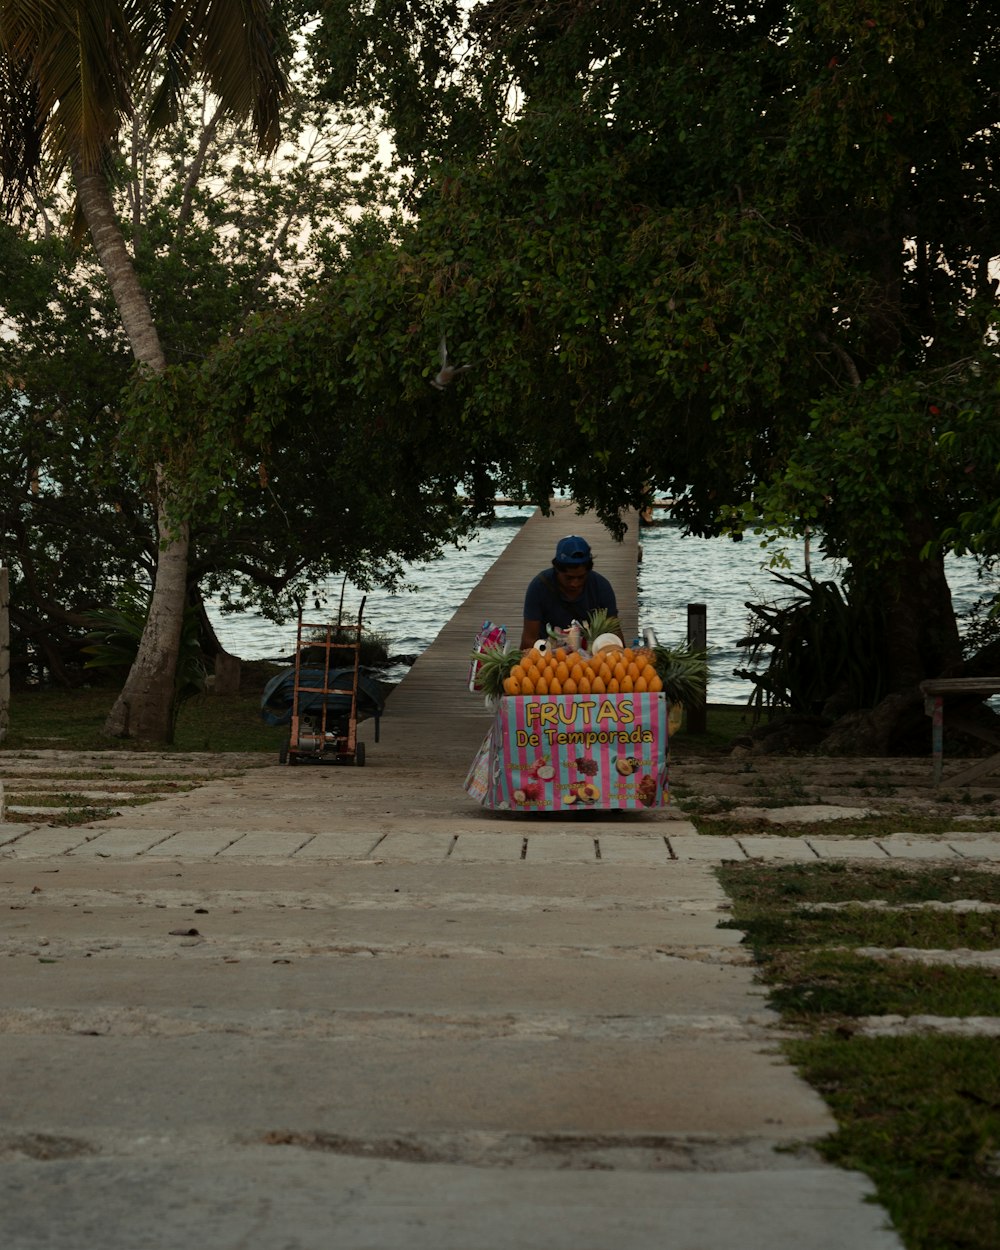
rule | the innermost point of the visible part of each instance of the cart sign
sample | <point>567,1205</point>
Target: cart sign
<point>574,753</point>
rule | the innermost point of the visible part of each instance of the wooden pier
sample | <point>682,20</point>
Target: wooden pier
<point>433,704</point>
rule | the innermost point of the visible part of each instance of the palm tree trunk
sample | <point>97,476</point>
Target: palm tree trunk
<point>144,708</point>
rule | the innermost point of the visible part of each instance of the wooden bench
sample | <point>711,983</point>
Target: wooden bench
<point>934,693</point>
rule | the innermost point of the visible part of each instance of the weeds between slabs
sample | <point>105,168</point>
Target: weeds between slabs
<point>920,1114</point>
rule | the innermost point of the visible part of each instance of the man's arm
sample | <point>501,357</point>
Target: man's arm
<point>534,611</point>
<point>530,634</point>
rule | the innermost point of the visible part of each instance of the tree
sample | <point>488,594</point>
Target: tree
<point>742,252</point>
<point>71,73</point>
<point>216,235</point>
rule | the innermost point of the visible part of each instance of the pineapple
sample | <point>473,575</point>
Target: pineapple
<point>683,672</point>
<point>600,622</point>
<point>495,666</point>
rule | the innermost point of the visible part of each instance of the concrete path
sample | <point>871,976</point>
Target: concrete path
<point>338,1007</point>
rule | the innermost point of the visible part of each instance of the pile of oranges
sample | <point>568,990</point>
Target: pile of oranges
<point>611,671</point>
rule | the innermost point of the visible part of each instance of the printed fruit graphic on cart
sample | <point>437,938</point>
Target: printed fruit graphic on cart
<point>582,792</point>
<point>645,791</point>
<point>541,768</point>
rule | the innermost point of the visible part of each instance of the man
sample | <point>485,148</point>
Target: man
<point>567,593</point>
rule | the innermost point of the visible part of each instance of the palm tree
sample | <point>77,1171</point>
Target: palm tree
<point>70,74</point>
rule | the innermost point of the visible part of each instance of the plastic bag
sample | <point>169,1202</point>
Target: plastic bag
<point>489,637</point>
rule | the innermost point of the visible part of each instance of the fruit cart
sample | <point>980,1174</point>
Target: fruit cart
<point>574,753</point>
<point>322,702</point>
<point>576,727</point>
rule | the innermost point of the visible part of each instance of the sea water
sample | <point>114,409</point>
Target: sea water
<point>675,570</point>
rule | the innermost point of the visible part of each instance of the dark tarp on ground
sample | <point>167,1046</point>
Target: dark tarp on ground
<point>279,693</point>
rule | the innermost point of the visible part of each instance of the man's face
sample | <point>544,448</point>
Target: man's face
<point>570,581</point>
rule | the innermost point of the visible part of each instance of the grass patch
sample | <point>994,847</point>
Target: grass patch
<point>723,723</point>
<point>923,928</point>
<point>46,798</point>
<point>783,885</point>
<point>73,720</point>
<point>920,1115</point>
<point>808,986</point>
<point>82,815</point>
<point>882,825</point>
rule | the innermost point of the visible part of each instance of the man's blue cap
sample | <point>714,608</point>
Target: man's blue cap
<point>572,550</point>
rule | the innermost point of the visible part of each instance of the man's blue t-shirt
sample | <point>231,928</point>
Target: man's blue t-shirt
<point>543,602</point>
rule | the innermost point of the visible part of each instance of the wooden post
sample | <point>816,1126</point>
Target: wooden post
<point>937,735</point>
<point>698,640</point>
<point>4,653</point>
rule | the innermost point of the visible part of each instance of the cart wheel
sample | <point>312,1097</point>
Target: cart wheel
<point>359,754</point>
<point>283,753</point>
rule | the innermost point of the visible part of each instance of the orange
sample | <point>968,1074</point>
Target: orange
<point>560,654</point>
<point>583,685</point>
<point>527,686</point>
<point>555,686</point>
<point>655,684</point>
<point>542,685</point>
<point>641,684</point>
<point>627,685</point>
<point>569,686</point>
<point>597,686</point>
<point>632,669</point>
<point>613,687</point>
<point>512,685</point>
<point>605,673</point>
<point>562,670</point>
<point>620,670</point>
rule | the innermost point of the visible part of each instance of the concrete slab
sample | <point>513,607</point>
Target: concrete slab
<point>623,849</point>
<point>776,848</point>
<point>975,848</point>
<point>847,848</point>
<point>11,831</point>
<point>713,850</point>
<point>561,848</point>
<point>488,847</point>
<point>901,846</point>
<point>267,844</point>
<point>413,847</point>
<point>679,826</point>
<point>324,846</point>
<point>371,1081</point>
<point>200,842</point>
<point>119,843</point>
<point>311,1200</point>
<point>535,993</point>
<point>814,813</point>
<point>45,841</point>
